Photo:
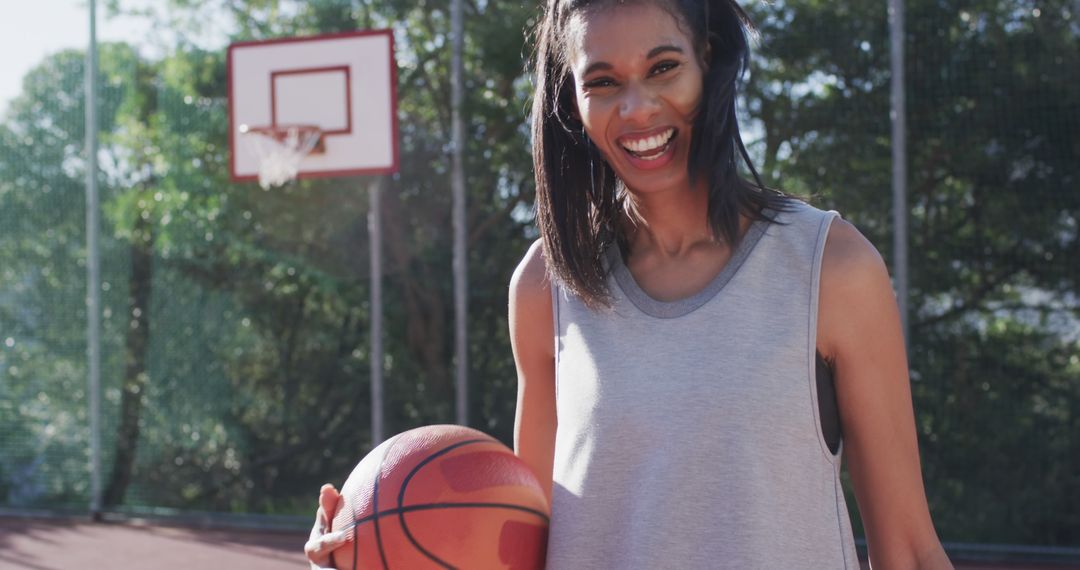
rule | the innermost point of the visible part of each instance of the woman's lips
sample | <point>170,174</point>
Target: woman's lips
<point>650,150</point>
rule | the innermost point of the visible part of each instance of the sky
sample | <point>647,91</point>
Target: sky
<point>32,30</point>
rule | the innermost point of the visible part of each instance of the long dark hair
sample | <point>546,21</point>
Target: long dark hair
<point>578,196</point>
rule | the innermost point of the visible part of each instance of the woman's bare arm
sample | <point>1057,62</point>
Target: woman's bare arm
<point>532,338</point>
<point>859,332</point>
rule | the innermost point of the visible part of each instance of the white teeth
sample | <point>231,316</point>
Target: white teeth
<point>651,143</point>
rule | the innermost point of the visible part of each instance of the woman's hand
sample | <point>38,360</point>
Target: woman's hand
<point>321,543</point>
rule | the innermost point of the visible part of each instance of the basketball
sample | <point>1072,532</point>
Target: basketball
<point>442,496</point>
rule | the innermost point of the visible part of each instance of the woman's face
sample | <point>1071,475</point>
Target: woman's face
<point>638,83</point>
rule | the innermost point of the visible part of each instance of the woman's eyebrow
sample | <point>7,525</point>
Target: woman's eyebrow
<point>597,66</point>
<point>661,49</point>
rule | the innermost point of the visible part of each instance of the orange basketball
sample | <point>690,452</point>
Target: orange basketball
<point>442,496</point>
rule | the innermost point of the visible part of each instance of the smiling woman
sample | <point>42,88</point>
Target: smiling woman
<point>696,353</point>
<point>635,98</point>
<point>638,93</point>
<point>689,343</point>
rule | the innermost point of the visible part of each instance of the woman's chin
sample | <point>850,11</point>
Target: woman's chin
<point>669,176</point>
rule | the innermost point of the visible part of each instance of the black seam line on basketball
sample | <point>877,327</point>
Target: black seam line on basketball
<point>375,506</point>
<point>355,542</point>
<point>405,485</point>
<point>448,506</point>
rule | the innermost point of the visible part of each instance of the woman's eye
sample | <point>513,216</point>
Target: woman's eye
<point>598,83</point>
<point>664,67</point>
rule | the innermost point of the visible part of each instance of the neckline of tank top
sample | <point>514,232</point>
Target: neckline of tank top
<point>681,307</point>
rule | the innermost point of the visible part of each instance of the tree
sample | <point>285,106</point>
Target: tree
<point>993,226</point>
<point>295,353</point>
<point>43,281</point>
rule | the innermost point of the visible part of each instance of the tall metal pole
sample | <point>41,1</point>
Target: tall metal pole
<point>375,235</point>
<point>93,269</point>
<point>457,73</point>
<point>899,159</point>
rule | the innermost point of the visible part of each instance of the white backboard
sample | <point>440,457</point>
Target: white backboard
<point>346,84</point>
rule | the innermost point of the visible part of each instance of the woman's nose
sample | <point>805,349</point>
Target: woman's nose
<point>639,104</point>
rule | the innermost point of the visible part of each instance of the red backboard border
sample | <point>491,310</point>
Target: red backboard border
<point>312,71</point>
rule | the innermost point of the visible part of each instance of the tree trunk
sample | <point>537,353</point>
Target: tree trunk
<point>135,375</point>
<point>425,307</point>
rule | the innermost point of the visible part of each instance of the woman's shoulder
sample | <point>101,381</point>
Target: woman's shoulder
<point>848,250</point>
<point>532,269</point>
<point>531,313</point>
<point>797,227</point>
<point>854,278</point>
<point>794,209</point>
<point>530,284</point>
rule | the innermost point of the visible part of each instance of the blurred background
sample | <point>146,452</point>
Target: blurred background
<point>235,339</point>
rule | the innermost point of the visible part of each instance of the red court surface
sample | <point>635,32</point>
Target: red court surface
<point>63,544</point>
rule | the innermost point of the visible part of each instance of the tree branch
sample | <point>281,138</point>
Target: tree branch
<point>972,300</point>
<point>479,229</point>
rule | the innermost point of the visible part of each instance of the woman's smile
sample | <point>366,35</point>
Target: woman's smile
<point>638,85</point>
<point>650,150</point>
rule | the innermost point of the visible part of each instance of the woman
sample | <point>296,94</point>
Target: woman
<point>678,409</point>
<point>688,343</point>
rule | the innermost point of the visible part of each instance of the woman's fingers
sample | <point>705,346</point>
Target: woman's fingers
<point>321,542</point>
<point>318,549</point>
<point>328,500</point>
<point>320,526</point>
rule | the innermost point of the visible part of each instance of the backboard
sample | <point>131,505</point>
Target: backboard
<point>343,84</point>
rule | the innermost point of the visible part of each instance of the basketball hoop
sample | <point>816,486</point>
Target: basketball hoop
<point>279,150</point>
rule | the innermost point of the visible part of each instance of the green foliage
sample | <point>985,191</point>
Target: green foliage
<point>43,276</point>
<point>999,433</point>
<point>993,228</point>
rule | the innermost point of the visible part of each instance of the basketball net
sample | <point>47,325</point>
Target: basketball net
<point>280,150</point>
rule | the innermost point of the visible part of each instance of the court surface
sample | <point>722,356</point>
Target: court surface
<point>55,544</point>
<point>63,544</point>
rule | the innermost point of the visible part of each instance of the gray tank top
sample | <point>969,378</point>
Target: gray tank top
<point>688,432</point>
